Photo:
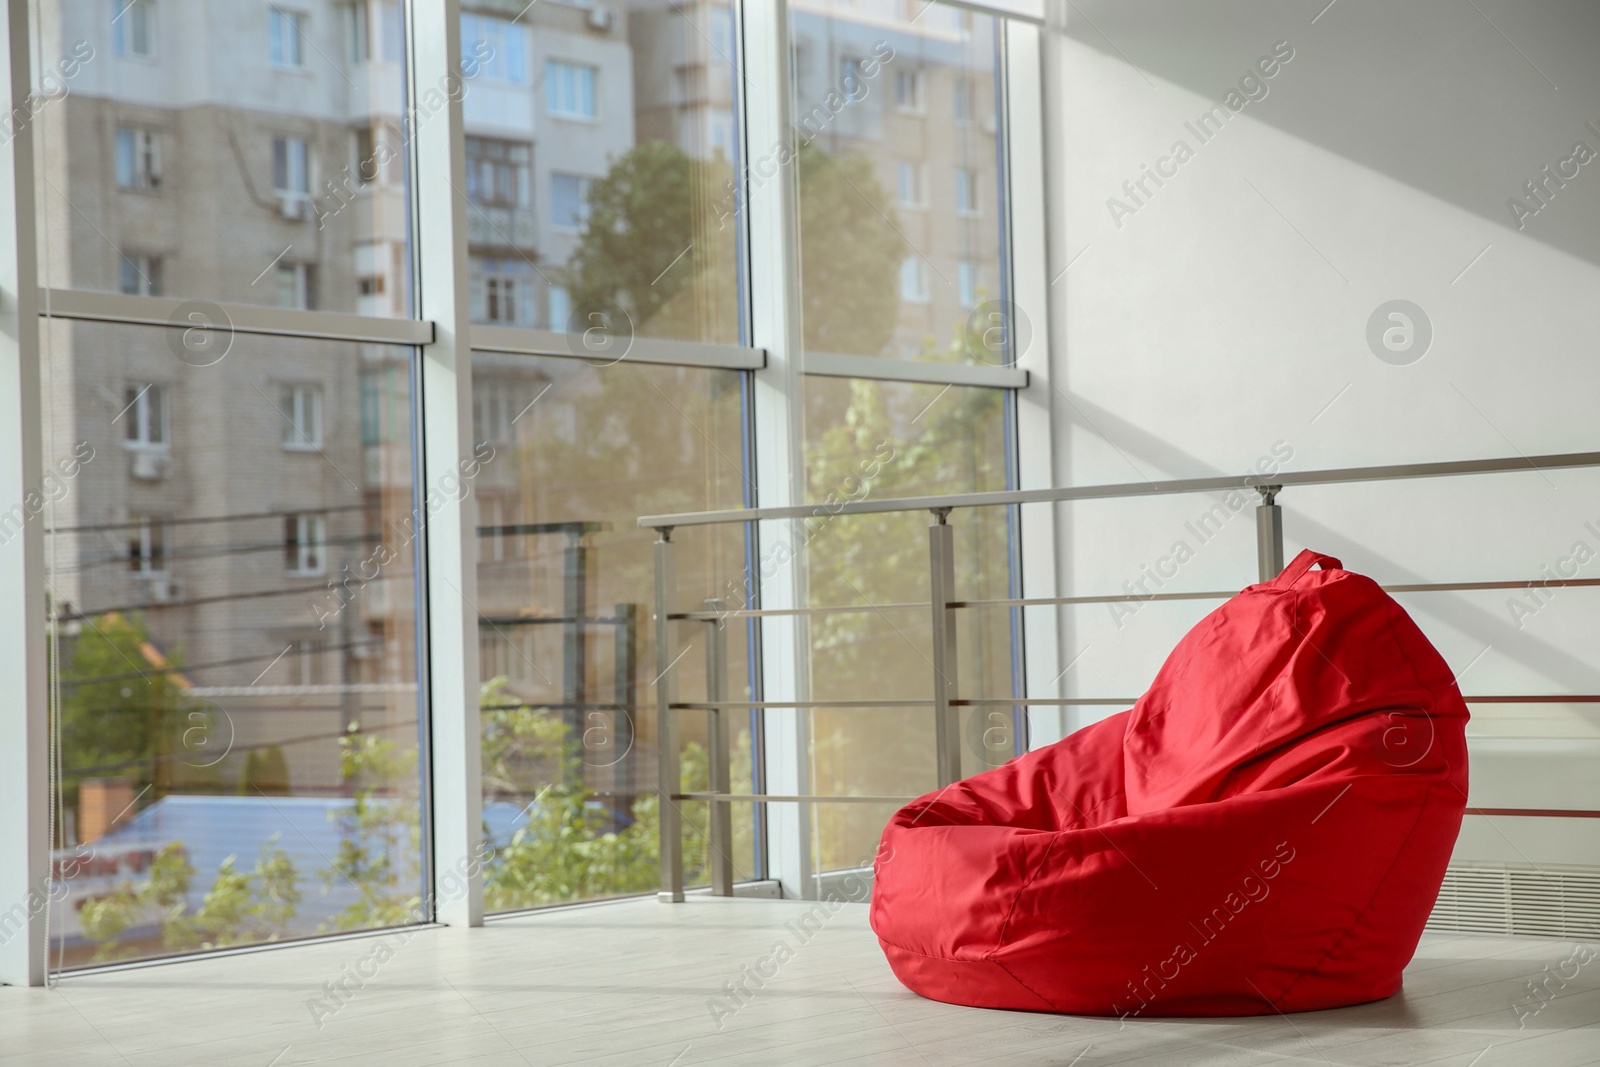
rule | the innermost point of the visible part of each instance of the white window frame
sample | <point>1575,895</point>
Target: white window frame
<point>152,534</point>
<point>584,184</point>
<point>295,279</point>
<point>287,37</point>
<point>305,544</point>
<point>296,165</point>
<point>969,279</point>
<point>914,287</point>
<point>147,417</point>
<point>911,92</point>
<point>494,48</point>
<point>969,203</point>
<point>149,273</point>
<point>130,20</point>
<point>302,417</point>
<point>563,100</point>
<point>138,158</point>
<point>912,172</point>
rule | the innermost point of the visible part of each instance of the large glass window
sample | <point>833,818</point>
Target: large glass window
<point>226,153</point>
<point>896,111</point>
<point>870,439</point>
<point>569,456</point>
<point>601,159</point>
<point>233,602</point>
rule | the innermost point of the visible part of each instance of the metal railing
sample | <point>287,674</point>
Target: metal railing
<point>943,603</point>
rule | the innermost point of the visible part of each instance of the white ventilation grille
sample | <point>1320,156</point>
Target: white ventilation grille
<point>1544,901</point>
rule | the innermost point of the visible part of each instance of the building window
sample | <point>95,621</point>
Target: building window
<point>305,539</point>
<point>376,158</point>
<point>966,191</point>
<point>384,413</point>
<point>147,545</point>
<point>358,30</point>
<point>138,158</point>
<point>493,48</point>
<point>569,90</point>
<point>364,146</point>
<point>569,201</point>
<point>302,417</point>
<point>133,24</point>
<point>968,281</point>
<point>500,403</point>
<point>908,89</point>
<point>139,275</point>
<point>292,285</point>
<point>144,416</point>
<point>291,166</point>
<point>852,79</point>
<point>962,103</point>
<point>559,307</point>
<point>911,184</point>
<point>287,33</point>
<point>309,657</point>
<point>499,173</point>
<point>502,291</point>
<point>914,280</point>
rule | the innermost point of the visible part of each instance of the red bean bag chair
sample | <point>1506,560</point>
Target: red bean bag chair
<point>1265,831</point>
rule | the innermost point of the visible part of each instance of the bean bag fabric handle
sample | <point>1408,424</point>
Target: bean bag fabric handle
<point>1302,563</point>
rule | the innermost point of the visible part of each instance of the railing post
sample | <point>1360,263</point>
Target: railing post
<point>668,783</point>
<point>719,813</point>
<point>1269,533</point>
<point>941,590</point>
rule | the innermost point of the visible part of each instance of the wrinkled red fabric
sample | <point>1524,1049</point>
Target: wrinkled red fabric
<point>1266,830</point>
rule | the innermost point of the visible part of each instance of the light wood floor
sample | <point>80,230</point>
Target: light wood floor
<point>631,984</point>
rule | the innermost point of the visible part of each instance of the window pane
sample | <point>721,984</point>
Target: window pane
<point>896,110</point>
<point>869,439</point>
<point>253,108</point>
<point>182,579</point>
<point>601,156</point>
<point>571,455</point>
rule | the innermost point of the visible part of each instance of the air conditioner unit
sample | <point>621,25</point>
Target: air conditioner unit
<point>296,207</point>
<point>163,590</point>
<point>602,18</point>
<point>150,466</point>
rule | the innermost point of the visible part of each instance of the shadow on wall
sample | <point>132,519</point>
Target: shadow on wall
<point>1490,105</point>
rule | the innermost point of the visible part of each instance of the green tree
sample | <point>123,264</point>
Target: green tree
<point>381,847</point>
<point>850,254</point>
<point>569,848</point>
<point>265,772</point>
<point>658,244</point>
<point>117,708</point>
<point>240,908</point>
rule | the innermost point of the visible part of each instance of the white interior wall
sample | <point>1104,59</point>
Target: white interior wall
<point>1227,315</point>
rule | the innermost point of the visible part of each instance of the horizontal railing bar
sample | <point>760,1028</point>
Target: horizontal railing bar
<point>211,317</point>
<point>812,798</point>
<point>1541,813</point>
<point>1003,702</point>
<point>758,613</point>
<point>1219,594</point>
<point>793,798</point>
<point>1046,601</point>
<point>1333,476</point>
<point>735,705</point>
<point>1547,813</point>
<point>1539,698</point>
